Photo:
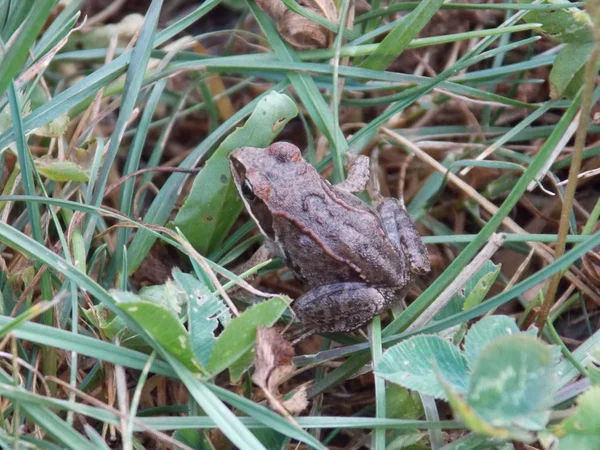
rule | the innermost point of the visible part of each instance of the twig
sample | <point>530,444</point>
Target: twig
<point>580,135</point>
<point>510,224</point>
<point>112,8</point>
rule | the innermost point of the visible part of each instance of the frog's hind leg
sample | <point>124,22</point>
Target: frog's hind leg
<point>339,307</point>
<point>403,234</point>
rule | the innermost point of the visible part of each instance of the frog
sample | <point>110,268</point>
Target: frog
<point>357,259</point>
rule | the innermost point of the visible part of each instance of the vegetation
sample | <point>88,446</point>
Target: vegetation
<point>124,322</point>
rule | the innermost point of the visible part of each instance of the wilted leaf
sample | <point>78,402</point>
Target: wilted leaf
<point>413,364</point>
<point>297,401</point>
<point>272,352</point>
<point>272,364</point>
<point>299,31</point>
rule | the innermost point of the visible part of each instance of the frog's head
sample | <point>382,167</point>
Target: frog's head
<point>258,173</point>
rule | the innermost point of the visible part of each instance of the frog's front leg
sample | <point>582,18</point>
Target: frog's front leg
<point>339,307</point>
<point>358,176</point>
<point>262,254</point>
<point>403,234</point>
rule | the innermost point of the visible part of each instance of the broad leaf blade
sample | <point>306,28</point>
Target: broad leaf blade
<point>61,170</point>
<point>566,76</point>
<point>213,205</point>
<point>160,323</point>
<point>484,332</point>
<point>413,364</point>
<point>569,25</point>
<point>513,382</point>
<point>239,336</point>
<point>206,310</point>
<point>582,429</point>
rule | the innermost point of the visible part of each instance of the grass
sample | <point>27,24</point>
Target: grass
<point>449,100</point>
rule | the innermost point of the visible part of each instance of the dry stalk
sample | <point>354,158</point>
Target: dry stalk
<point>563,228</point>
<point>511,225</point>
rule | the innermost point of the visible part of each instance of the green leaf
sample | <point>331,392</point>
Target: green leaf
<point>192,438</point>
<point>474,291</point>
<point>213,205</point>
<point>402,404</point>
<point>113,326</point>
<point>581,431</point>
<point>473,441</point>
<point>413,363</point>
<point>168,295</point>
<point>593,374</point>
<point>55,128</point>
<point>566,76</point>
<point>240,335</point>
<point>513,382</point>
<point>484,332</point>
<point>206,310</point>
<point>237,369</point>
<point>61,170</point>
<point>567,25</point>
<point>397,41</point>
<point>15,56</point>
<point>162,325</point>
<point>470,417</point>
<point>479,285</point>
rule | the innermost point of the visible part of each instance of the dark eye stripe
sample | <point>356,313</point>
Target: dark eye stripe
<point>247,192</point>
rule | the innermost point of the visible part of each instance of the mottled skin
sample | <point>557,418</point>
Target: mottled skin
<point>358,260</point>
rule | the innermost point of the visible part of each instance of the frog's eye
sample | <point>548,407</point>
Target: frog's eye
<point>247,191</point>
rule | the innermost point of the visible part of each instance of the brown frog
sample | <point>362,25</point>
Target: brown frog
<point>357,259</point>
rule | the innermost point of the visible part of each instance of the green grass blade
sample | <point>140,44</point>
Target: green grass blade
<point>60,431</point>
<point>132,164</point>
<point>397,41</point>
<point>308,92</point>
<point>16,55</point>
<point>227,422</point>
<point>133,82</point>
<point>84,345</point>
<point>161,207</point>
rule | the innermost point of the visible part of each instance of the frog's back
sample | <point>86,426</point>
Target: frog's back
<point>336,237</point>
